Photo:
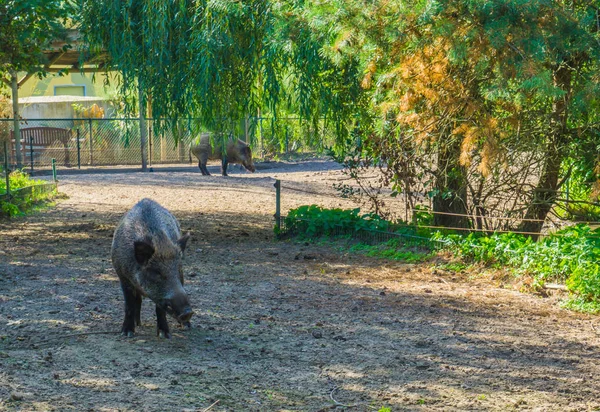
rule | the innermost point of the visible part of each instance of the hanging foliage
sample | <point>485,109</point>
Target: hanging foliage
<point>219,60</point>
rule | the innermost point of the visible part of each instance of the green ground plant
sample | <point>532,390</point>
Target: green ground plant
<point>570,256</point>
<point>22,201</point>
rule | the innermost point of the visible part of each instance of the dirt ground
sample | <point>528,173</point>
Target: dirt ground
<point>279,325</point>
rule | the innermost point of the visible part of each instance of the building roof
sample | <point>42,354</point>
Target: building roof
<point>59,99</point>
<point>73,57</point>
<point>68,55</point>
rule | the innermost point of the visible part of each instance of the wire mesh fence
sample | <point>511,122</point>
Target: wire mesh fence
<point>117,141</point>
<point>292,227</point>
<point>288,135</point>
<point>28,192</point>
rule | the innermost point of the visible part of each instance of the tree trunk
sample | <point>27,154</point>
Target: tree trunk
<point>16,124</point>
<point>450,199</point>
<point>143,129</point>
<point>544,194</point>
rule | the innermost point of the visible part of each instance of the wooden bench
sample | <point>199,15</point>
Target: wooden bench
<point>42,139</point>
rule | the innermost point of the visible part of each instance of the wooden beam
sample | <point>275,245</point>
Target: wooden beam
<point>53,60</point>
<point>68,69</point>
<point>24,79</point>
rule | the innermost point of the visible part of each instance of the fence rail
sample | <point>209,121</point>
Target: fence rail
<point>117,141</point>
<point>33,190</point>
<point>288,228</point>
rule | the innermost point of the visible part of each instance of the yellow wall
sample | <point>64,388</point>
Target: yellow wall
<point>45,87</point>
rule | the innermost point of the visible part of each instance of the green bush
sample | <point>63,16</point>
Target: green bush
<point>320,221</point>
<point>571,255</point>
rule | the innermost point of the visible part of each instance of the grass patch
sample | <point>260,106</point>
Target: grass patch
<point>570,256</point>
<point>393,250</point>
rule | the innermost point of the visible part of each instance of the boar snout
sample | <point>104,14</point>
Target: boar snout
<point>185,317</point>
<point>179,308</point>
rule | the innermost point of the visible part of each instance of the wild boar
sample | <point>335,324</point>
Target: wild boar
<point>147,252</point>
<point>237,151</point>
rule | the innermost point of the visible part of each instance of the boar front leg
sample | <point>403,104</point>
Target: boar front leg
<point>201,168</point>
<point>138,309</point>
<point>162,327</point>
<point>131,310</point>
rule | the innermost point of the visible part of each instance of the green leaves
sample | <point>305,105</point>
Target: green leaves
<point>321,221</point>
<point>27,28</point>
<point>571,255</point>
<point>219,60</point>
<point>19,203</point>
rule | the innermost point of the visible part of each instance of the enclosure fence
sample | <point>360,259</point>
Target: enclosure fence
<point>410,234</point>
<point>91,142</point>
<point>8,194</point>
<point>287,227</point>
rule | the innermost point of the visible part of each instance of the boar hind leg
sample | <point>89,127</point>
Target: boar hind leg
<point>162,327</point>
<point>224,164</point>
<point>130,295</point>
<point>203,169</point>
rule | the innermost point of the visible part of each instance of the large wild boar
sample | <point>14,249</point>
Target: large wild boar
<point>147,252</point>
<point>237,151</point>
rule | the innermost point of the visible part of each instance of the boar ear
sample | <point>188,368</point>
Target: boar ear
<point>182,242</point>
<point>143,252</point>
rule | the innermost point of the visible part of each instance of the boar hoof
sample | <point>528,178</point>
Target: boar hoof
<point>127,334</point>
<point>186,325</point>
<point>163,335</point>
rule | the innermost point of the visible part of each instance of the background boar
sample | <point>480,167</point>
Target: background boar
<point>237,151</point>
<point>147,252</point>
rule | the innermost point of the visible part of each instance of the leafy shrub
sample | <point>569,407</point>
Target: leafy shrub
<point>320,221</point>
<point>571,255</point>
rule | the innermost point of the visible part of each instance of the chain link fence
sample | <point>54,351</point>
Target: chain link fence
<point>76,143</point>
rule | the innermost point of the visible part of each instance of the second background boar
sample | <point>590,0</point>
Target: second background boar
<point>236,151</point>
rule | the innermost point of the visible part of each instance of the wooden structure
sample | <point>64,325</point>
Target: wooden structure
<point>36,141</point>
<point>63,55</point>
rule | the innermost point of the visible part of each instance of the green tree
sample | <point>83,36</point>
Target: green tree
<point>217,60</point>
<point>490,91</point>
<point>27,27</point>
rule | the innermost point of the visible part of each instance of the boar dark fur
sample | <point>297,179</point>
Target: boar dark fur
<point>147,252</point>
<point>236,151</point>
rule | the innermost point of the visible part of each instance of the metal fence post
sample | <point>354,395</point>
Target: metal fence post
<point>78,150</point>
<point>91,143</point>
<point>150,146</point>
<point>31,152</point>
<point>6,171</point>
<point>54,170</point>
<point>277,204</point>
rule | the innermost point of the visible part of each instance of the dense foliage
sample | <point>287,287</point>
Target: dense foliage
<point>322,221</point>
<point>479,104</point>
<point>220,61</point>
<point>27,29</point>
